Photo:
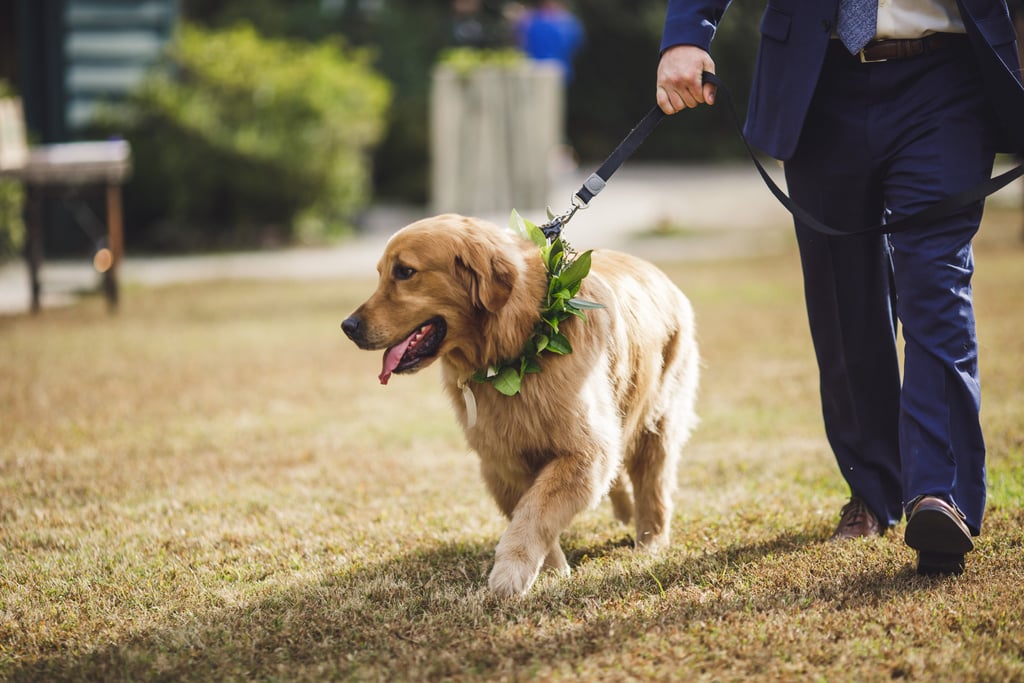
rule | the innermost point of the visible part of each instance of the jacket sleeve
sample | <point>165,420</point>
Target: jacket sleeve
<point>692,22</point>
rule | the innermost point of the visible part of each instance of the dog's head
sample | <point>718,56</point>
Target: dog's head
<point>443,283</point>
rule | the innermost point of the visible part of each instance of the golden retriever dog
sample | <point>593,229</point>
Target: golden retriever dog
<point>609,418</point>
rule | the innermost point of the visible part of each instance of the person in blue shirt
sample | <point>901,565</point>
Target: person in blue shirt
<point>551,33</point>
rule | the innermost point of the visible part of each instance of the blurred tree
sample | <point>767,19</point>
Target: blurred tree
<point>614,82</point>
<point>246,139</point>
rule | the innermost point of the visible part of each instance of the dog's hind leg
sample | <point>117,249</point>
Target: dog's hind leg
<point>652,470</point>
<point>621,495</point>
<point>656,449</point>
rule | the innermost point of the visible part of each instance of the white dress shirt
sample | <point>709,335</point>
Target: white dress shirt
<point>917,18</point>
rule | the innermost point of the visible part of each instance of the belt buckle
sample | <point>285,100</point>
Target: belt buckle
<point>865,60</point>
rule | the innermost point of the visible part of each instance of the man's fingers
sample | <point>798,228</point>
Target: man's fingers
<point>689,100</point>
<point>672,101</point>
<point>675,99</point>
<point>664,101</point>
<point>710,91</point>
<point>680,84</point>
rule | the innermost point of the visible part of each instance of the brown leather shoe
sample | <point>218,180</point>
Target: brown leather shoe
<point>855,521</point>
<point>937,532</point>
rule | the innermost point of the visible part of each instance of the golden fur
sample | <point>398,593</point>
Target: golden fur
<point>611,417</point>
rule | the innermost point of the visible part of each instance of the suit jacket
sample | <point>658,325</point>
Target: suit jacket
<point>794,37</point>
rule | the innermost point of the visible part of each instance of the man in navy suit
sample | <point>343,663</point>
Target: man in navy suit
<point>871,134</point>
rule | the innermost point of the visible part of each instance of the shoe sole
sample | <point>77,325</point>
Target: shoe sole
<point>936,564</point>
<point>940,541</point>
<point>934,531</point>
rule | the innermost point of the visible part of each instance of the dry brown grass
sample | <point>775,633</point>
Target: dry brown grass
<point>212,486</point>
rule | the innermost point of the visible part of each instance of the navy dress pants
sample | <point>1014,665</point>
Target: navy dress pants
<point>882,141</point>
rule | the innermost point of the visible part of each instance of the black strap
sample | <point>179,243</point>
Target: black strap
<point>597,180</point>
<point>595,183</point>
<point>943,207</point>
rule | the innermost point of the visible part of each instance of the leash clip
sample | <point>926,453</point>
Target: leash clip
<point>554,226</point>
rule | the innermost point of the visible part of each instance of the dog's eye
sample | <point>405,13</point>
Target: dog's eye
<point>401,272</point>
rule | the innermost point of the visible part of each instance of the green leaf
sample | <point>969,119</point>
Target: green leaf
<point>518,224</point>
<point>559,344</point>
<point>532,366</point>
<point>577,270</point>
<point>536,236</point>
<point>527,230</point>
<point>555,255</point>
<point>542,342</point>
<point>584,304</point>
<point>508,381</point>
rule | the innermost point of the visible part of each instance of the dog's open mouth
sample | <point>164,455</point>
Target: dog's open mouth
<point>422,344</point>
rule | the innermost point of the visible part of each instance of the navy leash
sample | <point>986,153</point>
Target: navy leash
<point>596,182</point>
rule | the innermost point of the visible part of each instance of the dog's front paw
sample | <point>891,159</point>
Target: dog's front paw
<point>512,578</point>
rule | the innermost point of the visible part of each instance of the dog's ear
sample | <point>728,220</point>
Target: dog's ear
<point>488,274</point>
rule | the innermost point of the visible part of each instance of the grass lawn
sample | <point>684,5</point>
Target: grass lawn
<point>213,486</point>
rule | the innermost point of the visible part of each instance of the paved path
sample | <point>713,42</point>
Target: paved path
<point>702,212</point>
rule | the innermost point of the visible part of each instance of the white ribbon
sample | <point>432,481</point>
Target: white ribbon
<point>470,400</point>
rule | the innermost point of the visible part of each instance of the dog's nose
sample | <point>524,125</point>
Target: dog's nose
<point>350,326</point>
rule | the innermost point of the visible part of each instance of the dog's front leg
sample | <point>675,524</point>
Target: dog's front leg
<point>555,560</point>
<point>546,508</point>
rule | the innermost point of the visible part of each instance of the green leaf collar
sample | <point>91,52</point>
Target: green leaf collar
<point>565,272</point>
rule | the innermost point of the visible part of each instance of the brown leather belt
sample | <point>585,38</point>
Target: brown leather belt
<point>885,50</point>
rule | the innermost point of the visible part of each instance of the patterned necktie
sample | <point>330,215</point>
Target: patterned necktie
<point>856,25</point>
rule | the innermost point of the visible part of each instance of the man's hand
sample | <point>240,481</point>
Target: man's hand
<point>680,82</point>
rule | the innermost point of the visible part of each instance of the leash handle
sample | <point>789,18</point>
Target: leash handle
<point>943,207</point>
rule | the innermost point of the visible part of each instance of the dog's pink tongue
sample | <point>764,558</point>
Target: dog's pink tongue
<point>392,357</point>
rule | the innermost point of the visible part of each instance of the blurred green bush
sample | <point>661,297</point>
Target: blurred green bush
<point>241,140</point>
<point>12,200</point>
<point>12,226</point>
<point>466,60</point>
